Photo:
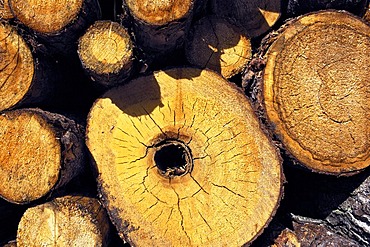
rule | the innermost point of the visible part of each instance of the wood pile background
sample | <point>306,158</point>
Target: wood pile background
<point>64,85</point>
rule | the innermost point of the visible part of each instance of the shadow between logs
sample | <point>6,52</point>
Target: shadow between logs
<point>137,98</point>
<point>316,195</point>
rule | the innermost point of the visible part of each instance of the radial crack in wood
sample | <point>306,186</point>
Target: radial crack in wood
<point>57,24</point>
<point>46,16</point>
<point>216,44</point>
<point>182,161</point>
<point>65,221</point>
<point>316,91</point>
<point>106,53</point>
<point>16,67</point>
<point>43,152</point>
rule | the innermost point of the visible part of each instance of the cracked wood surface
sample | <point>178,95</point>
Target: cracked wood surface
<point>43,152</point>
<point>17,67</point>
<point>256,17</point>
<point>65,221</point>
<point>57,25</point>
<point>46,16</point>
<point>234,186</point>
<point>106,53</point>
<point>316,91</point>
<point>216,44</point>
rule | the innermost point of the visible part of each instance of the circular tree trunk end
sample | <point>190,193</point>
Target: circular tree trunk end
<point>46,16</point>
<point>159,12</point>
<point>182,160</point>
<point>43,151</point>
<point>27,174</point>
<point>316,91</point>
<point>106,52</point>
<point>216,44</point>
<point>16,67</point>
<point>65,221</point>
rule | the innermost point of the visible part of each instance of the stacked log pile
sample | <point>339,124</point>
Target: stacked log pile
<point>184,123</point>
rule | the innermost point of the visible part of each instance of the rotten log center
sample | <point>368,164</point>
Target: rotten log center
<point>172,157</point>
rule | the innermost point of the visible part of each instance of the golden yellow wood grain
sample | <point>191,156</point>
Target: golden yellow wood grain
<point>46,16</point>
<point>316,91</point>
<point>16,67</point>
<point>218,45</point>
<point>30,156</point>
<point>234,185</point>
<point>65,221</point>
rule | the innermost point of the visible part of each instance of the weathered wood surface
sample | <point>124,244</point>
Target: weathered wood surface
<point>165,173</point>
<point>106,53</point>
<point>41,152</point>
<point>216,44</point>
<point>316,105</point>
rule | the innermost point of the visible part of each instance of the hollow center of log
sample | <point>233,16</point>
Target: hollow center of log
<point>173,158</point>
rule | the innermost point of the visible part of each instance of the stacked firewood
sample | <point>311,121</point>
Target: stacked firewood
<point>184,123</point>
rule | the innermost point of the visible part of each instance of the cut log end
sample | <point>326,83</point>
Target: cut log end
<point>316,93</point>
<point>106,52</point>
<point>27,174</point>
<point>17,67</point>
<point>46,16</point>
<point>43,152</point>
<point>159,12</point>
<point>65,221</point>
<point>256,17</point>
<point>216,44</point>
<point>183,162</point>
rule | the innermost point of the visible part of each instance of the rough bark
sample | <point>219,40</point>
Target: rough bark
<point>25,77</point>
<point>315,105</point>
<point>216,44</point>
<point>165,172</point>
<point>367,15</point>
<point>56,26</point>
<point>44,152</point>
<point>160,26</point>
<point>352,218</point>
<point>65,221</point>
<point>12,243</point>
<point>300,7</point>
<point>315,234</point>
<point>106,53</point>
<point>256,17</point>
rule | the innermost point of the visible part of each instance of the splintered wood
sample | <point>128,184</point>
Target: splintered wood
<point>182,160</point>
